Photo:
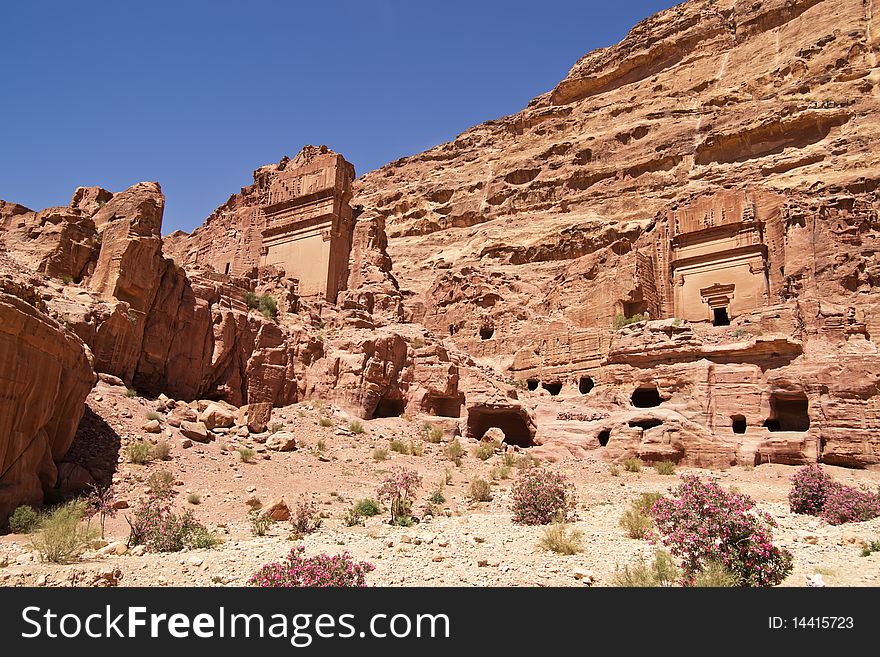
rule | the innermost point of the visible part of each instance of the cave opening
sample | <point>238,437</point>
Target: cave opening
<point>532,384</point>
<point>553,388</point>
<point>585,385</point>
<point>604,436</point>
<point>738,423</point>
<point>789,411</point>
<point>646,424</point>
<point>646,397</point>
<point>443,406</point>
<point>486,332</point>
<point>509,420</point>
<point>720,317</point>
<point>389,407</point>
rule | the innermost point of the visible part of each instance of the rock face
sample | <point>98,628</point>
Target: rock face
<point>716,168</point>
<point>46,375</point>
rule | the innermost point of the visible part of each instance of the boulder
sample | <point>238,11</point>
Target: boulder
<point>277,509</point>
<point>196,431</point>
<point>282,441</point>
<point>217,415</point>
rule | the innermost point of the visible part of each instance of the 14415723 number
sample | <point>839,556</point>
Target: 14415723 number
<point>811,623</point>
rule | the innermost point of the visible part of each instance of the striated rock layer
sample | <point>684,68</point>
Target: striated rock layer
<point>717,167</point>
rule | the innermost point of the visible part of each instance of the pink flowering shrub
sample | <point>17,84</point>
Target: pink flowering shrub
<point>541,497</point>
<point>702,522</point>
<point>848,504</point>
<point>814,492</point>
<point>320,570</point>
<point>399,489</point>
<point>809,488</point>
<point>156,526</point>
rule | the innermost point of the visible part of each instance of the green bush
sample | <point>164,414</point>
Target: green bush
<point>484,451</point>
<point>260,523</point>
<point>454,451</point>
<point>380,454</point>
<point>661,572</point>
<point>368,508</point>
<point>268,307</point>
<point>715,575</point>
<point>251,300</point>
<point>325,422</point>
<point>664,467</point>
<point>480,491</point>
<point>194,498</point>
<point>560,539</point>
<point>632,465</point>
<point>434,434</point>
<point>200,538</point>
<point>246,454</point>
<point>620,320</point>
<point>614,470</point>
<point>645,502</point>
<point>139,452</point>
<point>400,447</point>
<point>437,497</point>
<point>356,427</point>
<point>161,484</point>
<point>153,415</point>
<point>161,451</point>
<point>24,520</point>
<point>636,524</point>
<point>131,393</point>
<point>63,536</point>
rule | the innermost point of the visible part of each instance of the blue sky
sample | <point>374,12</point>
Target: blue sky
<point>196,95</point>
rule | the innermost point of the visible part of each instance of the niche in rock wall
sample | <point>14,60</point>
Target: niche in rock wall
<point>486,332</point>
<point>553,388</point>
<point>585,385</point>
<point>604,436</point>
<point>645,424</point>
<point>389,407</point>
<point>646,397</point>
<point>789,411</point>
<point>443,406</point>
<point>532,384</point>
<point>738,423</point>
<point>509,420</point>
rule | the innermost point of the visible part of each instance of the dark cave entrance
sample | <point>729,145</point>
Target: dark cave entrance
<point>645,424</point>
<point>604,436</point>
<point>789,411</point>
<point>443,406</point>
<point>720,317</point>
<point>532,384</point>
<point>509,420</point>
<point>389,407</point>
<point>553,388</point>
<point>738,423</point>
<point>585,385</point>
<point>646,397</point>
<point>486,332</point>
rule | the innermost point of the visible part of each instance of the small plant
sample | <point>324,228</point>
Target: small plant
<point>398,489</point>
<point>153,415</point>
<point>100,503</point>
<point>380,454</point>
<point>621,320</point>
<point>416,447</point>
<point>614,470</point>
<point>139,452</point>
<point>67,279</point>
<point>541,496</point>
<point>268,306</point>
<point>715,575</point>
<point>637,525</point>
<point>131,393</point>
<point>161,451</point>
<point>194,498</point>
<point>454,451</point>
<point>447,476</point>
<point>161,484</point>
<point>703,522</point>
<point>325,422</point>
<point>62,535</point>
<point>484,451</point>
<point>508,459</point>
<point>500,472</point>
<point>251,300</point>
<point>24,520</point>
<point>356,427</point>
<point>661,572</point>
<point>632,465</point>
<point>246,454</point>
<point>400,447</point>
<point>480,491</point>
<point>367,507</point>
<point>260,522</point>
<point>352,518</point>
<point>738,333</point>
<point>644,503</point>
<point>321,445</point>
<point>437,497</point>
<point>870,548</point>
<point>525,461</point>
<point>664,467</point>
<point>319,571</point>
<point>200,538</point>
<point>306,519</point>
<point>560,539</point>
<point>434,434</point>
